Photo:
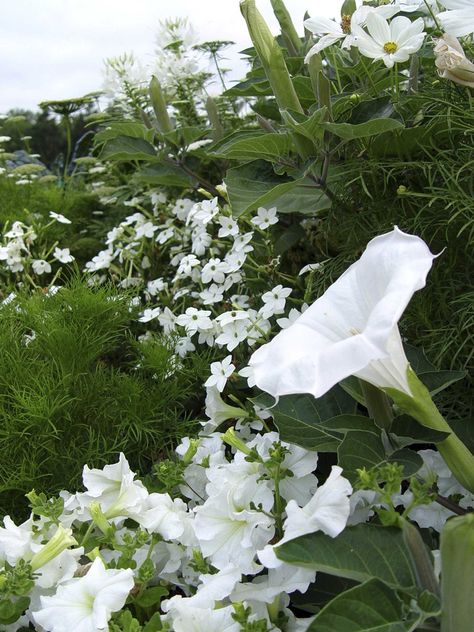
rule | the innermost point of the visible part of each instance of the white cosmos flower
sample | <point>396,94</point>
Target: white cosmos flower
<point>459,19</point>
<point>392,43</point>
<point>86,604</point>
<point>352,329</point>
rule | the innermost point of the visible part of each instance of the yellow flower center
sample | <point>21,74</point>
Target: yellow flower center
<point>346,23</point>
<point>390,47</point>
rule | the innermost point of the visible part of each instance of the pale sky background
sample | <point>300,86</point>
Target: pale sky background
<point>54,49</point>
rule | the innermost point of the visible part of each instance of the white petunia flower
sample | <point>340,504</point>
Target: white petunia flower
<point>351,329</point>
<point>183,346</point>
<point>220,372</point>
<point>86,603</point>
<point>190,619</point>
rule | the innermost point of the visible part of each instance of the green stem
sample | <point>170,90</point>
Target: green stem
<point>67,157</point>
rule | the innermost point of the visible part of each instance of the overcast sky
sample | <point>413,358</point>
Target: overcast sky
<point>54,49</point>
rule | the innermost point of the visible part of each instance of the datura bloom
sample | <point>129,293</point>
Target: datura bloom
<point>459,19</point>
<point>352,329</point>
<point>452,63</point>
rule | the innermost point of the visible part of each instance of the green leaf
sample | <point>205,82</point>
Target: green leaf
<point>408,432</point>
<point>124,128</point>
<point>252,145</point>
<point>184,136</point>
<point>299,418</point>
<point>359,553</point>
<point>11,610</point>
<point>255,184</point>
<point>381,107</point>
<point>347,131</point>
<point>151,596</point>
<point>154,624</point>
<point>289,238</point>
<point>127,148</point>
<point>437,381</point>
<point>464,428</point>
<point>164,175</point>
<point>370,607</point>
<point>309,126</point>
<point>325,588</point>
<point>364,449</point>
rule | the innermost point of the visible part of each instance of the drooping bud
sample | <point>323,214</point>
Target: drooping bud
<point>231,439</point>
<point>99,518</point>
<point>288,31</point>
<point>457,574</point>
<point>159,106</point>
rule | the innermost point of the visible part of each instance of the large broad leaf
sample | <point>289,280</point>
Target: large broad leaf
<point>464,428</point>
<point>325,588</point>
<point>252,145</point>
<point>363,449</point>
<point>124,128</point>
<point>381,107</point>
<point>164,175</point>
<point>299,418</point>
<point>347,131</point>
<point>437,381</point>
<point>370,607</point>
<point>292,235</point>
<point>127,148</point>
<point>255,184</point>
<point>359,553</point>
<point>409,432</point>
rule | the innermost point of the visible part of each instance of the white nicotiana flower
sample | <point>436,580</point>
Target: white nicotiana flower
<point>233,334</point>
<point>352,329</point>
<point>101,261</point>
<point>194,320</point>
<point>40,266</point>
<point>149,314</point>
<point>147,229</point>
<point>186,265</point>
<point>392,43</point>
<point>459,19</point>
<point>203,212</point>
<point>220,372</point>
<point>242,243</point>
<point>274,301</point>
<point>201,240</point>
<point>63,255</point>
<point>167,320</point>
<point>164,235</point>
<point>228,227</point>
<point>212,294</point>
<point>265,217</point>
<point>156,286</point>
<point>86,603</point>
<point>59,218</point>
<point>214,270</point>
<point>183,346</point>
<point>293,316</point>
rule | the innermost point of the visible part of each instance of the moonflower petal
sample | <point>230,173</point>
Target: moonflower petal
<point>351,329</point>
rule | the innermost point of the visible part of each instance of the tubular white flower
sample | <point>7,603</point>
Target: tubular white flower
<point>351,329</point>
<point>452,63</point>
<point>459,19</point>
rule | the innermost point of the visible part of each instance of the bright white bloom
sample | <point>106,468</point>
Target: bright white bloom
<point>40,266</point>
<point>452,63</point>
<point>459,20</point>
<point>147,229</point>
<point>167,320</point>
<point>310,267</point>
<point>187,264</point>
<point>87,603</point>
<point>114,488</point>
<point>242,243</point>
<point>214,270</point>
<point>59,218</point>
<point>212,588</point>
<point>16,541</point>
<point>5,139</point>
<point>149,314</point>
<point>164,235</point>
<point>194,320</point>
<point>155,286</point>
<point>352,329</point>
<point>220,372</point>
<point>233,334</point>
<point>183,346</point>
<point>293,316</point>
<point>212,294</point>
<point>284,579</point>
<point>331,31</point>
<point>201,241</point>
<point>198,144</point>
<point>63,255</point>
<point>100,261</point>
<point>274,301</point>
<point>392,43</point>
<point>189,619</point>
<point>203,212</point>
<point>265,217</point>
<point>228,227</point>
<point>167,517</point>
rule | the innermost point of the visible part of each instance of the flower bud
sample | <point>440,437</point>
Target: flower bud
<point>231,439</point>
<point>60,541</point>
<point>452,62</point>
<point>159,106</point>
<point>457,574</point>
<point>100,518</point>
